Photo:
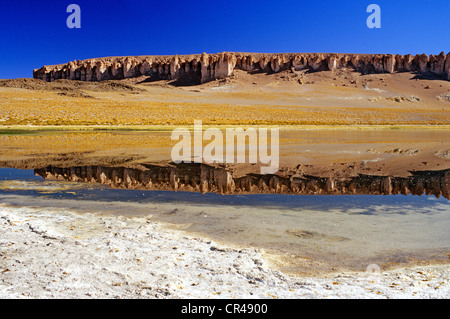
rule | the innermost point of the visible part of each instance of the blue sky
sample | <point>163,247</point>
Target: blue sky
<point>34,33</point>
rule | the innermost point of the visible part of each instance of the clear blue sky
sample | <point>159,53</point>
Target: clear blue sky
<point>34,32</point>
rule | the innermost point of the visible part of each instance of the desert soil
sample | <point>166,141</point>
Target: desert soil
<point>285,98</point>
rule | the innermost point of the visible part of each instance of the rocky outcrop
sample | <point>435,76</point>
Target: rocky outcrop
<point>204,178</point>
<point>447,66</point>
<point>208,67</point>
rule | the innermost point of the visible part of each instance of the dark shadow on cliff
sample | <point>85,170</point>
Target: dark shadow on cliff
<point>184,82</point>
<point>427,76</point>
<point>187,79</point>
<point>150,79</point>
<point>259,71</point>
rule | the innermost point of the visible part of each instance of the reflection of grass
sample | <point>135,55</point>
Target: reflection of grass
<point>46,187</point>
<point>15,132</point>
<point>138,142</point>
<point>80,142</point>
<point>40,108</point>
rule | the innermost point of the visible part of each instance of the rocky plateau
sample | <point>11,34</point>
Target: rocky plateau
<point>201,68</point>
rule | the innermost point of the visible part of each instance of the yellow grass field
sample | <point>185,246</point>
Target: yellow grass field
<point>233,102</point>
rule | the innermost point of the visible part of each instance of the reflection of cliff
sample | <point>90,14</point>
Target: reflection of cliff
<point>196,68</point>
<point>204,178</point>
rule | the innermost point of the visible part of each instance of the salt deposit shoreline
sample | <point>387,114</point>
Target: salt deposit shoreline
<point>54,253</point>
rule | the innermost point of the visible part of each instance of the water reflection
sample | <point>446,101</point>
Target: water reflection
<point>204,178</point>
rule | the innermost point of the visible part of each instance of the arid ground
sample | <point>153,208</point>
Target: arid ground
<point>285,98</point>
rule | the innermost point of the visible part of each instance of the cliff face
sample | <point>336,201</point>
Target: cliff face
<point>204,178</point>
<point>194,69</point>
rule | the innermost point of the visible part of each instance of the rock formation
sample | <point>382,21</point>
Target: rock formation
<point>204,178</point>
<point>208,67</point>
<point>447,66</point>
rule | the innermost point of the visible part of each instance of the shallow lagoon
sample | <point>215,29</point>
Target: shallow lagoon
<point>299,233</point>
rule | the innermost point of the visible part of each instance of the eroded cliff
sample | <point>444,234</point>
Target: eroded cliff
<point>201,68</point>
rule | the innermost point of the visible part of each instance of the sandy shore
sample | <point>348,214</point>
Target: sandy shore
<point>49,253</point>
